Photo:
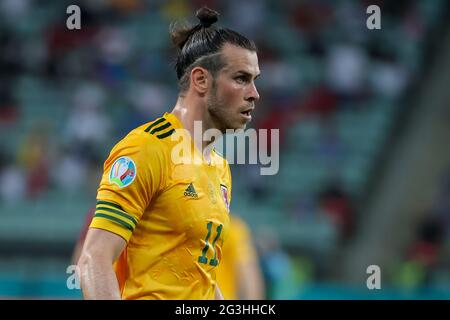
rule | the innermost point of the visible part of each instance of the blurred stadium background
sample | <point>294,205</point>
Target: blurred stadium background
<point>364,118</point>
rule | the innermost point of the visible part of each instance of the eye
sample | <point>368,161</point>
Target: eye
<point>241,79</point>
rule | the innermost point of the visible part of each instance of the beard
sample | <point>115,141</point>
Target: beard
<point>220,114</point>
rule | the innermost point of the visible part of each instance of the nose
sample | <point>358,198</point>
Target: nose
<point>253,94</point>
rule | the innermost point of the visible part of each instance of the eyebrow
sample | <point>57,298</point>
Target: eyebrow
<point>247,74</point>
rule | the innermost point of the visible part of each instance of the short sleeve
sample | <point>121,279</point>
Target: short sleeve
<point>133,174</point>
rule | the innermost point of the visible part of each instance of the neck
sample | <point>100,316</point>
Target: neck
<point>189,110</point>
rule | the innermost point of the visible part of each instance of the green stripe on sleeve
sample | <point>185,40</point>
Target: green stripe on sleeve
<point>112,204</point>
<point>120,213</point>
<point>114,219</point>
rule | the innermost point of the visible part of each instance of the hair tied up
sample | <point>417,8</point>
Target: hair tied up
<point>207,17</point>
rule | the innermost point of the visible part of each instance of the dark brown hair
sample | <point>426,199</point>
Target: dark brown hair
<point>200,45</point>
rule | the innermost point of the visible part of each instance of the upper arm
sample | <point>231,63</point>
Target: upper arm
<point>101,249</point>
<point>133,173</point>
<point>103,245</point>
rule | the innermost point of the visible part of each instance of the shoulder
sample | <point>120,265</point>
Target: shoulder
<point>151,137</point>
<point>143,148</point>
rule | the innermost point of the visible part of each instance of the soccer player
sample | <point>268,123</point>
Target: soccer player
<point>159,225</point>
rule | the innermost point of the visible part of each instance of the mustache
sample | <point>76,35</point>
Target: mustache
<point>249,106</point>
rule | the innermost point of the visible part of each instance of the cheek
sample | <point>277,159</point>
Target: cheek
<point>231,95</point>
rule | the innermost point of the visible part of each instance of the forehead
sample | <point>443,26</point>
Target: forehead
<point>240,59</point>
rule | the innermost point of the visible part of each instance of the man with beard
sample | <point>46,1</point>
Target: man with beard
<point>159,224</point>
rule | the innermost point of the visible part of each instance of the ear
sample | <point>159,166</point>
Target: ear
<point>200,79</point>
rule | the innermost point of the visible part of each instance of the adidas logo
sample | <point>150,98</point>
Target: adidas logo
<point>190,191</point>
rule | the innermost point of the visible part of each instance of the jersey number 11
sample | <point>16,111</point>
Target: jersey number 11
<point>203,258</point>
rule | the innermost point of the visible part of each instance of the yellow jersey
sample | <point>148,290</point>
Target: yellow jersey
<point>174,215</point>
<point>238,250</point>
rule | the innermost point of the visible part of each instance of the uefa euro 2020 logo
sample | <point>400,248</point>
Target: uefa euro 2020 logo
<point>123,172</point>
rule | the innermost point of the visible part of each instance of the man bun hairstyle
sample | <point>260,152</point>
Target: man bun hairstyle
<point>200,45</point>
<point>207,17</point>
